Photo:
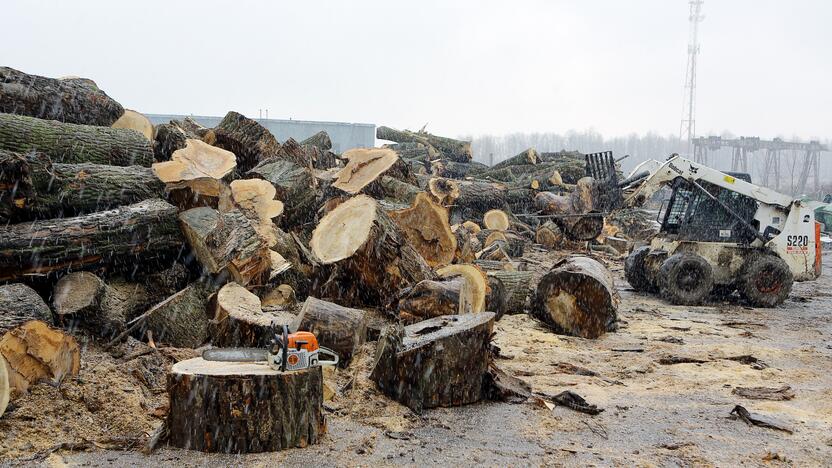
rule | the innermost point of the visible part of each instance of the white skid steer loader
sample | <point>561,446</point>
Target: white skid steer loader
<point>720,233</point>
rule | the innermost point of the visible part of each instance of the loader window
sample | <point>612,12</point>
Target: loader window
<point>677,207</point>
<point>695,216</point>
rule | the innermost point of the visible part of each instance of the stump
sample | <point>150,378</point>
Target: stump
<point>338,328</point>
<point>234,407</point>
<point>19,304</point>
<point>437,362</point>
<point>577,297</point>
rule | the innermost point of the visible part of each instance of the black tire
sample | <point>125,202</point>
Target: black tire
<point>722,291</point>
<point>685,279</point>
<point>765,280</point>
<point>634,270</point>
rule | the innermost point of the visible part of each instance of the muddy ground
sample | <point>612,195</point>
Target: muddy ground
<point>655,413</point>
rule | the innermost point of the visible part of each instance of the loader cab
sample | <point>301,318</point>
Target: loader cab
<point>693,216</point>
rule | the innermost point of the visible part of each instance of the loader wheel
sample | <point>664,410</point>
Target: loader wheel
<point>685,279</point>
<point>634,270</point>
<point>765,280</point>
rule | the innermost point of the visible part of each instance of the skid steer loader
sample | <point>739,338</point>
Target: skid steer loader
<point>720,233</point>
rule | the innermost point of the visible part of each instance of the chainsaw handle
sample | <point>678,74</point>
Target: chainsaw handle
<point>327,352</point>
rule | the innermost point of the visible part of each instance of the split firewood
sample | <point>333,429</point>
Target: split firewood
<point>295,186</point>
<point>144,235</point>
<point>517,288</point>
<point>455,150</point>
<point>35,353</point>
<point>134,121</point>
<point>528,156</point>
<point>73,143</point>
<point>577,297</point>
<point>45,190</point>
<point>196,174</point>
<point>476,280</point>
<point>372,260</point>
<point>213,406</point>
<point>409,369</point>
<point>19,304</point>
<point>444,191</point>
<point>319,140</point>
<point>227,241</point>
<point>549,235</point>
<point>428,299</point>
<point>246,138</point>
<point>239,320</point>
<point>338,328</point>
<point>76,101</point>
<point>366,165</point>
<point>425,225</point>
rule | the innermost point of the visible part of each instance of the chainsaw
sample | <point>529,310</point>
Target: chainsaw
<point>287,352</point>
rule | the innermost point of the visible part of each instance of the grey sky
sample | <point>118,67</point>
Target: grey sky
<point>465,67</point>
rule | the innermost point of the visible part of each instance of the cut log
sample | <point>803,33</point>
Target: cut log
<point>36,353</point>
<point>144,235</point>
<point>134,121</point>
<point>5,390</point>
<point>76,101</point>
<point>173,136</point>
<point>428,299</point>
<point>496,300</point>
<point>196,172</point>
<point>570,208</point>
<point>19,304</point>
<point>455,150</point>
<point>473,227</point>
<point>513,244</point>
<point>443,190</point>
<point>246,138</point>
<point>294,185</point>
<point>456,170</point>
<point>496,220</point>
<point>476,280</point>
<point>73,143</point>
<point>255,199</point>
<point>338,328</point>
<point>517,288</point>
<point>227,240</point>
<point>577,297</point>
<point>319,140</point>
<point>395,190</point>
<point>467,245</point>
<point>372,259</point>
<point>528,156</point>
<point>180,320</point>
<point>425,224</point>
<point>549,235</point>
<point>235,407</point>
<point>239,320</point>
<point>45,190</point>
<point>437,362</point>
<point>366,165</point>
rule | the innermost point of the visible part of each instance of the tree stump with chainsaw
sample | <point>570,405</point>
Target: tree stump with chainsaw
<point>243,407</point>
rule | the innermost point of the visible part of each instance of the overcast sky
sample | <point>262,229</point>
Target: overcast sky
<point>463,67</point>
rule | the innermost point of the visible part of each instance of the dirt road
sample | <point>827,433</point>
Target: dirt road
<point>654,413</point>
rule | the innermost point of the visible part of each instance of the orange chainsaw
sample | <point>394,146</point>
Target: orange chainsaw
<point>287,352</point>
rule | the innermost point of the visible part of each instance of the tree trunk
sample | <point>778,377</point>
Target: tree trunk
<point>319,140</point>
<point>455,150</point>
<point>246,138</point>
<point>144,235</point>
<point>45,190</point>
<point>239,320</point>
<point>233,407</point>
<point>338,328</point>
<point>425,224</point>
<point>528,156</point>
<point>19,304</point>
<point>372,259</point>
<point>73,101</point>
<point>73,143</point>
<point>295,187</point>
<point>516,284</point>
<point>34,353</point>
<point>437,362</point>
<point>549,235</point>
<point>577,297</point>
<point>398,191</point>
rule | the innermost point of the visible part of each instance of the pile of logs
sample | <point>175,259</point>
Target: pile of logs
<point>196,236</point>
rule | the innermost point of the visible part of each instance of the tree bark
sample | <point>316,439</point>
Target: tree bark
<point>34,353</point>
<point>246,138</point>
<point>457,170</point>
<point>71,101</point>
<point>455,150</point>
<point>180,320</point>
<point>338,328</point>
<point>428,299</point>
<point>549,235</point>
<point>425,225</point>
<point>73,143</point>
<point>319,140</point>
<point>372,260</point>
<point>577,297</point>
<point>19,304</point>
<point>243,407</point>
<point>528,156</point>
<point>43,190</point>
<point>437,362</point>
<point>517,287</point>
<point>144,235</point>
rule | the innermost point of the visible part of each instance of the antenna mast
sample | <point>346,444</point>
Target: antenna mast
<point>687,129</point>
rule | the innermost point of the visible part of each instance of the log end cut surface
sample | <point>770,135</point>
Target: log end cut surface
<point>344,230</point>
